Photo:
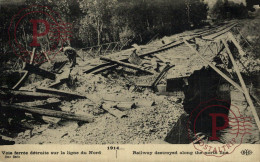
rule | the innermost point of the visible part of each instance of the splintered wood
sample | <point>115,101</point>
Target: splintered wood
<point>135,67</point>
<point>52,113</point>
<point>59,92</point>
<point>247,95</point>
<point>109,107</point>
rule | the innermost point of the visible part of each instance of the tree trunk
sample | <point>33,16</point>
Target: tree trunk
<point>98,32</point>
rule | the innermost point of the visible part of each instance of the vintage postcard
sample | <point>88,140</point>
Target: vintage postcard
<point>129,80</point>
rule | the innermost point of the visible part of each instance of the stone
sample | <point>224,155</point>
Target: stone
<point>28,133</point>
<point>51,120</point>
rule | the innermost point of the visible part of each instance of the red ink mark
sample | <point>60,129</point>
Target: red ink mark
<point>35,32</point>
<point>234,124</point>
<point>214,124</point>
<point>24,34</point>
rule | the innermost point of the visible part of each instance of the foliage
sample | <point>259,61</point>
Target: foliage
<point>100,21</point>
<point>228,10</point>
<point>251,3</point>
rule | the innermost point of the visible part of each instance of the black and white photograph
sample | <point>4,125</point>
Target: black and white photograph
<point>112,72</point>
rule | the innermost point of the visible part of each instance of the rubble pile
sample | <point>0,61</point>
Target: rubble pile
<point>134,96</point>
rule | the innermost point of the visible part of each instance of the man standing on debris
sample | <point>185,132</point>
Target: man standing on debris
<point>71,54</point>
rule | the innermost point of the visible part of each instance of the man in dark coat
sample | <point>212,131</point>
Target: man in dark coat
<point>71,54</point>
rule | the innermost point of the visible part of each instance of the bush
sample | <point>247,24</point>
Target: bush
<point>228,10</point>
<point>126,36</point>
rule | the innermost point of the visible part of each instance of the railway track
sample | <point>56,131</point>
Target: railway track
<point>208,34</point>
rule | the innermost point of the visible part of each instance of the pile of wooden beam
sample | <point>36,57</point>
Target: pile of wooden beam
<point>36,102</point>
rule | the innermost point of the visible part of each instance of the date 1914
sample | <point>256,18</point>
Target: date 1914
<point>113,148</point>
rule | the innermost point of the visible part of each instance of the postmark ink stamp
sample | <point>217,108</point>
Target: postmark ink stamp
<point>218,128</point>
<point>36,33</point>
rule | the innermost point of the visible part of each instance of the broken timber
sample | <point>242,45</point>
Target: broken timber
<point>107,66</point>
<point>58,83</point>
<point>104,69</point>
<point>41,103</point>
<point>123,106</point>
<point>110,109</point>
<point>160,76</point>
<point>6,93</point>
<point>240,50</point>
<point>209,32</point>
<point>132,66</point>
<point>32,55</point>
<point>47,57</point>
<point>219,72</point>
<point>228,79</point>
<point>215,68</point>
<point>39,71</point>
<point>41,93</point>
<point>52,113</point>
<point>243,84</point>
<point>63,64</point>
<point>103,66</point>
<point>19,84</point>
<point>59,92</point>
<point>161,58</point>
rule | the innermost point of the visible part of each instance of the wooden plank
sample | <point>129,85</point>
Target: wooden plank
<point>123,106</point>
<point>59,92</point>
<point>109,108</point>
<point>141,55</point>
<point>52,113</point>
<point>5,138</point>
<point>160,76</point>
<point>56,84</point>
<point>135,67</point>
<point>39,71</point>
<point>63,64</point>
<point>19,84</point>
<point>161,49</point>
<point>7,93</point>
<point>98,67</point>
<point>215,68</point>
<point>161,58</point>
<point>47,57</point>
<point>40,103</point>
<point>104,69</point>
<point>50,120</point>
<point>177,43</point>
<point>247,95</point>
<point>198,139</point>
<point>240,50</point>
<point>32,56</point>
